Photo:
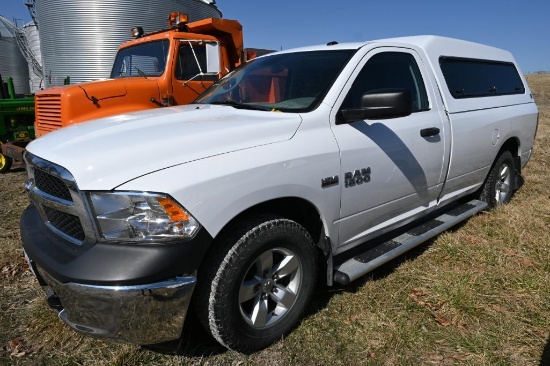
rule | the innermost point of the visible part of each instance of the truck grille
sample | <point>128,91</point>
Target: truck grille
<point>65,223</point>
<point>55,194</point>
<point>48,112</point>
<point>51,185</point>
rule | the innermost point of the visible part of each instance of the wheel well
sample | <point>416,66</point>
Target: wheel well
<point>512,145</point>
<point>292,208</point>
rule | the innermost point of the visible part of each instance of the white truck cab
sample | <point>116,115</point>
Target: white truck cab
<point>271,177</point>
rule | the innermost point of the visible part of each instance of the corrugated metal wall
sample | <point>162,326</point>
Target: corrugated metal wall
<point>80,38</point>
<point>12,62</point>
<point>33,41</point>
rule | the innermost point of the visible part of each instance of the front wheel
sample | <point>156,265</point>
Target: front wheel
<point>256,292</point>
<point>499,185</point>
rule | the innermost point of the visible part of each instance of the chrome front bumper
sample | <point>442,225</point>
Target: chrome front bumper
<point>141,314</point>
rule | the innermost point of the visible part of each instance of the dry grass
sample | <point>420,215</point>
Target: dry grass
<point>477,295</point>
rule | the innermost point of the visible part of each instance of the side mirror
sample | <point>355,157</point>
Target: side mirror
<point>212,58</point>
<point>381,104</point>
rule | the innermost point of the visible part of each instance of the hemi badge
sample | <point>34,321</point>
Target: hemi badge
<point>329,181</point>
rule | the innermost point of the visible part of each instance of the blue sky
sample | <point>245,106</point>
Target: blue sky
<point>522,27</point>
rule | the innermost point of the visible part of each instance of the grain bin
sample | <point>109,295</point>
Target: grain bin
<point>12,62</point>
<point>33,43</point>
<point>80,38</point>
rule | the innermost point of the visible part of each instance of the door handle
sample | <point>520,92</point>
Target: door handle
<point>427,132</point>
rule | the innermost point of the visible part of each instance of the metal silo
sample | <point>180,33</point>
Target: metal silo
<point>33,42</point>
<point>12,62</point>
<point>80,38</point>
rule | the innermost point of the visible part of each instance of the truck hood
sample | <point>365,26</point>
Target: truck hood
<point>108,152</point>
<point>105,88</point>
<point>96,99</point>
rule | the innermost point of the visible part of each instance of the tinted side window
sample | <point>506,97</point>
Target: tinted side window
<point>389,70</point>
<point>467,78</point>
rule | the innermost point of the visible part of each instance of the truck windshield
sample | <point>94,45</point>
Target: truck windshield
<point>145,59</point>
<point>286,82</point>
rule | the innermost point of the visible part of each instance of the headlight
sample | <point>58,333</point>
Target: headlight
<point>141,216</point>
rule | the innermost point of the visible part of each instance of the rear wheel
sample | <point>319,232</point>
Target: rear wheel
<point>257,290</point>
<point>499,185</point>
<point>5,163</point>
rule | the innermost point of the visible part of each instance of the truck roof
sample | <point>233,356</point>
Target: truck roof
<point>434,46</point>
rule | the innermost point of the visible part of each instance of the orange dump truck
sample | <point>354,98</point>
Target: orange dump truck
<point>164,68</point>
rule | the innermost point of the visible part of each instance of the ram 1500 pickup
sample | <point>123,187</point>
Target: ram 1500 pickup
<point>320,162</point>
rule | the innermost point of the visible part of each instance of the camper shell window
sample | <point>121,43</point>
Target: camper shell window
<point>469,78</point>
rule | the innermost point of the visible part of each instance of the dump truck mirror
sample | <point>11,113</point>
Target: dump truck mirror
<point>212,58</point>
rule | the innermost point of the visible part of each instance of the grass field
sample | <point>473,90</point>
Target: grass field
<point>476,295</point>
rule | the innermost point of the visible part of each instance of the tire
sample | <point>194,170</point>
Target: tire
<point>256,287</point>
<point>5,163</point>
<point>499,185</point>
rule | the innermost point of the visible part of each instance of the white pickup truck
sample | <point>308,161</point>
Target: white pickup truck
<point>320,162</point>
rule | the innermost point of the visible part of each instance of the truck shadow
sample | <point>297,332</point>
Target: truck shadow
<point>193,342</point>
<point>196,342</point>
<point>16,169</point>
<point>398,152</point>
<point>545,359</point>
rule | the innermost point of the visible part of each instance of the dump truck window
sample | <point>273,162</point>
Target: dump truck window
<point>187,67</point>
<point>145,59</point>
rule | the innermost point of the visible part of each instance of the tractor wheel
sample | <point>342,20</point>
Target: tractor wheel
<point>5,163</point>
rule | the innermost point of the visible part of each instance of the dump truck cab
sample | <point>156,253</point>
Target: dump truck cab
<point>164,68</point>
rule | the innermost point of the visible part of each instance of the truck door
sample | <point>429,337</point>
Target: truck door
<point>390,172</point>
<point>196,68</point>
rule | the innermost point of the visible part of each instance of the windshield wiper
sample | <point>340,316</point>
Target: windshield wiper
<point>238,105</point>
<point>140,72</point>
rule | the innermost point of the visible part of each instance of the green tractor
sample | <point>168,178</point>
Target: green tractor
<point>16,125</point>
